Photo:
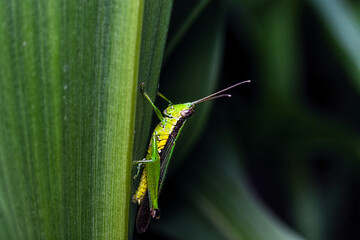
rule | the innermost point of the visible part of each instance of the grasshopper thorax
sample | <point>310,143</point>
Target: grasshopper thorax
<point>184,110</point>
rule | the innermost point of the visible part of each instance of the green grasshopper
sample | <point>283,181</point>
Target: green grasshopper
<point>159,153</point>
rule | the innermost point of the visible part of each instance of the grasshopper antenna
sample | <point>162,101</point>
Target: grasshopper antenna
<point>215,95</point>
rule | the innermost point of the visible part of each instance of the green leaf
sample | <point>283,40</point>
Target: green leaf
<point>68,87</point>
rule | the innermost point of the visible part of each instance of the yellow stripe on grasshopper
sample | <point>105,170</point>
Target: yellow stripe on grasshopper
<point>141,190</point>
<point>161,142</point>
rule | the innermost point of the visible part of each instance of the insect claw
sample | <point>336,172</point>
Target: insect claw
<point>136,200</point>
<point>155,213</point>
<point>142,86</point>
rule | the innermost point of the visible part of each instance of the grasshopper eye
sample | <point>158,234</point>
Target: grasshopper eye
<point>186,113</point>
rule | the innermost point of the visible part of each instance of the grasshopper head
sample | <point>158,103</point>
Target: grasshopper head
<point>184,110</point>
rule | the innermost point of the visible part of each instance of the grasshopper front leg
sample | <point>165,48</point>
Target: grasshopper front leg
<point>156,109</point>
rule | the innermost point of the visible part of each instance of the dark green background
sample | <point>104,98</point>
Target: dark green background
<point>291,136</point>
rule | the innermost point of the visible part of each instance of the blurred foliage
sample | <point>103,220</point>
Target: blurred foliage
<point>279,160</point>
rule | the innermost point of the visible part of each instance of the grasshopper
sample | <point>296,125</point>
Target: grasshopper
<point>159,153</point>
